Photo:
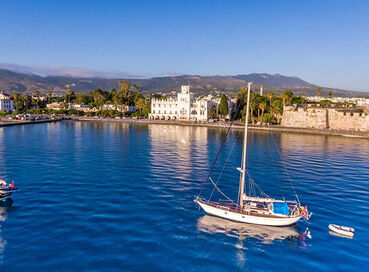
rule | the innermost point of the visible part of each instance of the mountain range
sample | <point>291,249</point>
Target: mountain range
<point>11,81</point>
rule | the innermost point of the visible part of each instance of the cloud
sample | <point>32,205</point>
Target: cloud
<point>65,71</point>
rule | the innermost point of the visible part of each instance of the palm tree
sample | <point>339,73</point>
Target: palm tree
<point>37,95</point>
<point>16,100</point>
<point>319,91</point>
<point>270,95</point>
<point>124,93</point>
<point>49,94</point>
<point>262,107</point>
<point>115,97</point>
<point>253,105</point>
<point>68,94</point>
<point>27,99</point>
<point>285,96</point>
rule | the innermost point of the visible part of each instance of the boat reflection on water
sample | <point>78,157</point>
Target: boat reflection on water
<point>3,217</point>
<point>339,235</point>
<point>242,231</point>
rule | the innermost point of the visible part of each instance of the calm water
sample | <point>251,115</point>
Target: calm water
<point>108,196</point>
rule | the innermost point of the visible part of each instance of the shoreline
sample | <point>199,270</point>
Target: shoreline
<point>8,123</point>
<point>219,125</point>
<point>223,125</point>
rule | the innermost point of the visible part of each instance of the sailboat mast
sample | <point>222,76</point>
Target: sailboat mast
<point>243,162</point>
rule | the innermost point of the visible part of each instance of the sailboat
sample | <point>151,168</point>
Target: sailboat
<point>262,210</point>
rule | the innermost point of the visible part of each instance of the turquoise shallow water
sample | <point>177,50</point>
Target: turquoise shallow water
<point>107,196</point>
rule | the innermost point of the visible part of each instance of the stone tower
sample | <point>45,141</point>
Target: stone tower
<point>261,90</point>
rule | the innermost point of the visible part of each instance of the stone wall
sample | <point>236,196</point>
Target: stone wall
<point>348,120</point>
<point>304,117</point>
<point>308,116</point>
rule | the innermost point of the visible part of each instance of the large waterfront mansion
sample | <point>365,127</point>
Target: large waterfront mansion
<point>6,104</point>
<point>185,107</point>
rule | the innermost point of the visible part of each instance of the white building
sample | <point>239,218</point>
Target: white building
<point>121,108</point>
<point>184,107</point>
<point>6,104</point>
<point>55,106</point>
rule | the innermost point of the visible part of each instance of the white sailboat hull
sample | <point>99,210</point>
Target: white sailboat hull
<point>246,218</point>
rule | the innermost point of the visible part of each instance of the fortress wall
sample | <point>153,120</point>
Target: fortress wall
<point>304,117</point>
<point>320,118</point>
<point>348,121</point>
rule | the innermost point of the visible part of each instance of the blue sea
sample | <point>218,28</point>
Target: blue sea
<point>110,196</point>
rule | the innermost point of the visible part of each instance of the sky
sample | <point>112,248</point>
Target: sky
<point>323,42</point>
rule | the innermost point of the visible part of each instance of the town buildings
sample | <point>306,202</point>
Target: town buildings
<point>6,104</point>
<point>359,101</point>
<point>86,108</point>
<point>186,107</point>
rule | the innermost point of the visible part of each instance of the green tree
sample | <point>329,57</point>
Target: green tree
<point>268,118</point>
<point>262,107</point>
<point>125,97</point>
<point>18,102</point>
<point>81,99</point>
<point>330,93</point>
<point>37,95</point>
<point>27,100</point>
<point>99,97</point>
<point>213,112</point>
<point>325,102</point>
<point>286,95</point>
<point>277,107</point>
<point>143,104</point>
<point>49,94</point>
<point>68,94</point>
<point>270,95</point>
<point>223,105</point>
<point>115,98</point>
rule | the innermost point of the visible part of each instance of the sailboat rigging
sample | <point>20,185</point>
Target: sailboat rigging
<point>262,210</point>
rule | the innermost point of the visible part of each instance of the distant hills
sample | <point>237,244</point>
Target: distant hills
<point>11,82</point>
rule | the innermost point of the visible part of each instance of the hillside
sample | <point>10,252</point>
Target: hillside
<point>26,83</point>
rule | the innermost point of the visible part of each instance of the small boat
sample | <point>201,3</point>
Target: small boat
<point>346,231</point>
<point>6,189</point>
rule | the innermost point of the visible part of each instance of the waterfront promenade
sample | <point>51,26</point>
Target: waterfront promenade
<point>221,125</point>
<point>236,125</point>
<point>5,123</point>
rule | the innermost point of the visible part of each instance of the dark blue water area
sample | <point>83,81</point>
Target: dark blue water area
<point>100,196</point>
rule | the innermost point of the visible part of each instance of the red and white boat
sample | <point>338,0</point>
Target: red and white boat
<point>6,189</point>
